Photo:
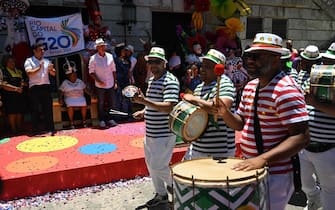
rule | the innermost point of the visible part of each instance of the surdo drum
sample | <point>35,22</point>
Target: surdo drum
<point>322,79</point>
<point>211,184</point>
<point>188,121</point>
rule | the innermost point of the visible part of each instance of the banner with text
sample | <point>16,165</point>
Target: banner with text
<point>60,35</point>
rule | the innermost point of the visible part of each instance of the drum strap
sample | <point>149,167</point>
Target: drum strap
<point>257,127</point>
<point>259,145</point>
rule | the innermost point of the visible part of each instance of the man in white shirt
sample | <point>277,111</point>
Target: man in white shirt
<point>38,70</point>
<point>102,70</point>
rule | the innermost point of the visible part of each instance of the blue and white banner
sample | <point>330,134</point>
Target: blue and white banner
<point>60,35</point>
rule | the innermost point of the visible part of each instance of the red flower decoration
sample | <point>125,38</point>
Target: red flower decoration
<point>219,69</point>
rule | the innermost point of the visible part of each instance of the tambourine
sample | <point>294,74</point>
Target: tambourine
<point>129,91</point>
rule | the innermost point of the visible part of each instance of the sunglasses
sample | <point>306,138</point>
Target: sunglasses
<point>154,62</point>
<point>252,56</point>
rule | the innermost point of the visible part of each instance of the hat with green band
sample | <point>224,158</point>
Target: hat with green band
<point>286,55</point>
<point>330,53</point>
<point>156,52</point>
<point>267,42</point>
<point>311,53</point>
<point>215,56</point>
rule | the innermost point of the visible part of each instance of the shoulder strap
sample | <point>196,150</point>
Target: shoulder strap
<point>257,127</point>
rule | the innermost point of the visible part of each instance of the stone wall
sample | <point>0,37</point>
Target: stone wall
<point>307,22</point>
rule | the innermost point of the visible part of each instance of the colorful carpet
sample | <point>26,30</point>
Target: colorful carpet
<point>72,159</point>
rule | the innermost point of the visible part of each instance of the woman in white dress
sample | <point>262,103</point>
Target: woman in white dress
<point>72,92</point>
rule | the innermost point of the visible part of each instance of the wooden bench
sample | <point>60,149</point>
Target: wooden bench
<point>59,111</point>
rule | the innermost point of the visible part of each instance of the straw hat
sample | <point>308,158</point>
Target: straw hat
<point>330,53</point>
<point>267,42</point>
<point>311,52</point>
<point>156,52</point>
<point>285,56</point>
<point>215,56</point>
<point>100,42</point>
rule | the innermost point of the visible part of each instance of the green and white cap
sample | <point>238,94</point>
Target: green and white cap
<point>215,56</point>
<point>286,54</point>
<point>330,53</point>
<point>311,52</point>
<point>156,52</point>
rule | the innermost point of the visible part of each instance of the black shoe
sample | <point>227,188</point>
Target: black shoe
<point>52,133</point>
<point>157,200</point>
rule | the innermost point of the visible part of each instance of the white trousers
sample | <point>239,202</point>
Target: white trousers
<point>281,190</point>
<point>321,164</point>
<point>158,153</point>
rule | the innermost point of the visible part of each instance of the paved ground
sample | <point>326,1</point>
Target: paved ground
<point>125,196</point>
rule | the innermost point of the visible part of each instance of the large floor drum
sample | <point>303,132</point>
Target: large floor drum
<point>212,184</point>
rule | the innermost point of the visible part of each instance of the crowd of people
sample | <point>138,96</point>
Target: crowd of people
<point>265,93</point>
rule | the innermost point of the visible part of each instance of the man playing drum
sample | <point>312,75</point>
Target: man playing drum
<point>161,96</point>
<point>317,159</point>
<point>218,140</point>
<point>282,120</point>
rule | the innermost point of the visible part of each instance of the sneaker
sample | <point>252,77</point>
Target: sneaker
<point>157,200</point>
<point>72,126</point>
<point>112,123</point>
<point>53,133</point>
<point>102,124</point>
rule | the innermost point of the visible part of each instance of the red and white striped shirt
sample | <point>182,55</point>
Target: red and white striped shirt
<point>280,104</point>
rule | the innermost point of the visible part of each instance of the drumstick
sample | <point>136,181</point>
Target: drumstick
<point>217,98</point>
<point>112,111</point>
<point>218,70</point>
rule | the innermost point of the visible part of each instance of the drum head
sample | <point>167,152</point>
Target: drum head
<point>196,124</point>
<point>129,91</point>
<point>208,173</point>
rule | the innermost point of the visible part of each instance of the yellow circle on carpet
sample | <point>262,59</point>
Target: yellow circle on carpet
<point>137,142</point>
<point>31,164</point>
<point>47,144</point>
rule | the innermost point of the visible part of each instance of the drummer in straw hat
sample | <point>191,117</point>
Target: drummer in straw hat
<point>218,140</point>
<point>310,56</point>
<point>282,118</point>
<point>161,96</point>
<point>318,157</point>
